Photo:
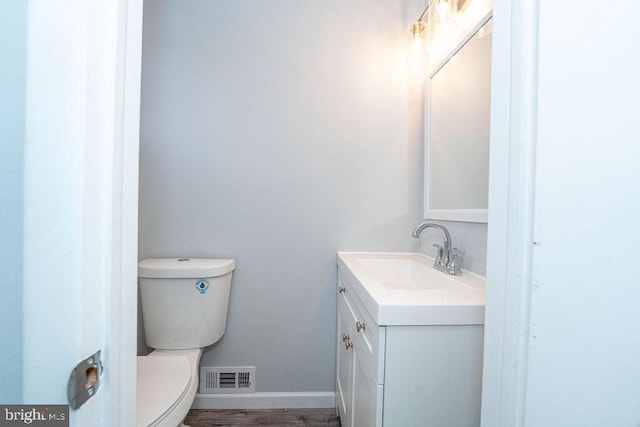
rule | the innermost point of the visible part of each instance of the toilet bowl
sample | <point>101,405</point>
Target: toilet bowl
<point>167,385</point>
<point>184,308</point>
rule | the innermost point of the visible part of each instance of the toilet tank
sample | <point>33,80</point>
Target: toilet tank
<point>184,301</point>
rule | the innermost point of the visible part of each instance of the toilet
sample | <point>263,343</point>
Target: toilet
<point>184,309</point>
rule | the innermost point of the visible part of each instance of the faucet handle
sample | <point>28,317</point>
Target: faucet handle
<point>440,252</point>
<point>454,263</point>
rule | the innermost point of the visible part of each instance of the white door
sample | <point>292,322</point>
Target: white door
<point>80,207</point>
<point>562,312</point>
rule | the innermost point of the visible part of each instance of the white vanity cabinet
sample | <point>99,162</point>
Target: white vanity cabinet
<point>359,367</point>
<point>404,375</point>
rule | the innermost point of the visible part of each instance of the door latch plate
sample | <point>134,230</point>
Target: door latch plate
<point>84,380</point>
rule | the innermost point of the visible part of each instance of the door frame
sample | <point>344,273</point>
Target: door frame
<point>511,206</point>
<point>124,297</point>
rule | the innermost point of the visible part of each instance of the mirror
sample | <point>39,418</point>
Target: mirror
<point>457,131</point>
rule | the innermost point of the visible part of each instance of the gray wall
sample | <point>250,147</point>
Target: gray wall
<point>278,133</point>
<point>12,86</point>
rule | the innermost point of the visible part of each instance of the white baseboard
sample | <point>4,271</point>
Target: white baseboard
<point>265,400</point>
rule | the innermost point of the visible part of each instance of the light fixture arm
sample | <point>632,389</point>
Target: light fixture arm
<point>424,12</point>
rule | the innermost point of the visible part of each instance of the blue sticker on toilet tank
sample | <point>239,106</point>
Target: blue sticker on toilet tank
<point>202,285</point>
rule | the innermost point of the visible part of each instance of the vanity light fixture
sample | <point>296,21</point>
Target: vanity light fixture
<point>418,28</point>
<point>443,24</point>
<point>437,19</point>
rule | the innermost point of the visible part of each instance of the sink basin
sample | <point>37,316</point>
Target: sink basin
<point>408,272</point>
<point>405,289</point>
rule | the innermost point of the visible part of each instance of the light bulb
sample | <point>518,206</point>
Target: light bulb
<point>443,7</point>
<point>416,54</point>
<point>417,44</point>
<point>442,20</point>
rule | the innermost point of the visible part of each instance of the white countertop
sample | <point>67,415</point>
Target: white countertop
<point>404,289</point>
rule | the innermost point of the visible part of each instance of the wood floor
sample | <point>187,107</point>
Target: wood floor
<point>263,417</point>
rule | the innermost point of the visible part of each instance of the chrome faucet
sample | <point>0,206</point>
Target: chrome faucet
<point>447,257</point>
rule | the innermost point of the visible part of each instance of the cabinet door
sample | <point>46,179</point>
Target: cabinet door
<point>367,394</point>
<point>345,361</point>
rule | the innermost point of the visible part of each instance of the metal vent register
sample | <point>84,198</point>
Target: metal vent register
<point>234,379</point>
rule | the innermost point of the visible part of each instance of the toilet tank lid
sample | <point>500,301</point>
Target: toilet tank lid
<point>184,268</point>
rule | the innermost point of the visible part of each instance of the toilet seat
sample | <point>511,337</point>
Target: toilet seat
<point>162,383</point>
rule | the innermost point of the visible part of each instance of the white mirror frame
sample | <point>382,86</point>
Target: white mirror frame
<point>464,215</point>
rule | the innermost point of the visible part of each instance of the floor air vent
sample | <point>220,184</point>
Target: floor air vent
<point>227,379</point>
